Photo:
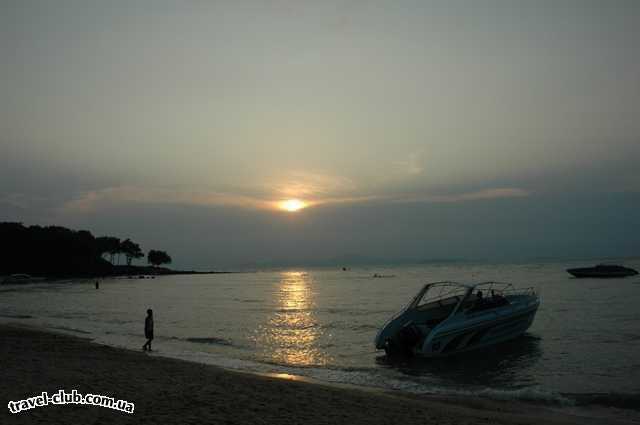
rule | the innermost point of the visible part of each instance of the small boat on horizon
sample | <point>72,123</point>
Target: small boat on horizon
<point>447,318</point>
<point>602,271</point>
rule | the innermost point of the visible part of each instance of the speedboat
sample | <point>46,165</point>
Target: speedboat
<point>603,270</point>
<point>447,318</point>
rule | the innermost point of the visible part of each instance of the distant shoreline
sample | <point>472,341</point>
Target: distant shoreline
<point>117,271</point>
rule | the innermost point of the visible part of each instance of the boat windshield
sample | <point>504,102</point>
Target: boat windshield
<point>442,293</point>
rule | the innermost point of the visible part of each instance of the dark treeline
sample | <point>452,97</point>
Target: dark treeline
<point>58,251</point>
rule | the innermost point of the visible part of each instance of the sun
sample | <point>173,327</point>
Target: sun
<point>292,205</point>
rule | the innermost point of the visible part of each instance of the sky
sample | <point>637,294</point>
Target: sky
<point>410,130</point>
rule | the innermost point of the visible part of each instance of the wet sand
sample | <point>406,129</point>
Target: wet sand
<point>168,391</point>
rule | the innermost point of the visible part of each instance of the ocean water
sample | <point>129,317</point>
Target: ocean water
<point>584,345</point>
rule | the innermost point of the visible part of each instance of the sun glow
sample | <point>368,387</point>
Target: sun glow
<point>292,205</point>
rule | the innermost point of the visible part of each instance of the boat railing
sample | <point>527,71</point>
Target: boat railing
<point>530,291</point>
<point>505,288</point>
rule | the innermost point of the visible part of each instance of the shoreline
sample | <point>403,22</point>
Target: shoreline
<point>167,390</point>
<point>142,273</point>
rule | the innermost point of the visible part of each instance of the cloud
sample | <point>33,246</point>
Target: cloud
<point>484,194</point>
<point>313,189</point>
<point>95,199</point>
<point>412,165</point>
<point>90,200</point>
<point>314,186</point>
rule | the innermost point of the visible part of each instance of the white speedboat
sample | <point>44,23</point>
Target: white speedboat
<point>447,318</point>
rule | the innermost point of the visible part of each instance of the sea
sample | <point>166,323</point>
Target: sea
<point>319,323</point>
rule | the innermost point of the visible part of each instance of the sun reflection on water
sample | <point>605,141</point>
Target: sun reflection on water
<point>291,334</point>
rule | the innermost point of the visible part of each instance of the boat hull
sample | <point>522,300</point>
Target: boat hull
<point>481,334</point>
<point>594,272</point>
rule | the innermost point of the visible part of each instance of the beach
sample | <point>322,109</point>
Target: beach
<point>175,391</point>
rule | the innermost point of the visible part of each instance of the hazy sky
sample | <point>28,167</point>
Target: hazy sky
<point>413,129</point>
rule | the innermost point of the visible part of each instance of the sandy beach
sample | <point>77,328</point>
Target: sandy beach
<point>173,391</point>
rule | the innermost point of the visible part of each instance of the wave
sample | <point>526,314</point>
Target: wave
<point>620,400</point>
<point>371,376</point>
<point>631,337</point>
<point>208,340</point>
<point>533,394</point>
<point>293,310</point>
<point>350,326</point>
<point>354,312</point>
<point>75,330</point>
<point>196,340</point>
<point>539,395</point>
<point>282,310</point>
<point>69,315</point>
<point>17,316</point>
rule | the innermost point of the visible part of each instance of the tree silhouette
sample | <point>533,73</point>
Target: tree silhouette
<point>157,258</point>
<point>131,250</point>
<point>108,245</point>
<point>51,251</point>
<point>57,251</point>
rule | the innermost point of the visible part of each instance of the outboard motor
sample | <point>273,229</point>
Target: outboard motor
<point>407,338</point>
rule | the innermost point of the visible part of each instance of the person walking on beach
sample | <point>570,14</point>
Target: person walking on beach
<point>148,330</point>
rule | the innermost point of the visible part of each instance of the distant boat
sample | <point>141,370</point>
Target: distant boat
<point>602,271</point>
<point>20,278</point>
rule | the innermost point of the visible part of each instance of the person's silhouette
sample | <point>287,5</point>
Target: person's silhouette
<point>480,302</point>
<point>148,330</point>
